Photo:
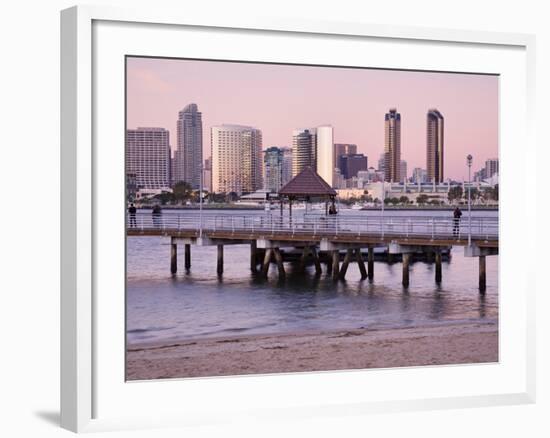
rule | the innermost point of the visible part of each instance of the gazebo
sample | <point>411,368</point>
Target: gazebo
<point>307,185</point>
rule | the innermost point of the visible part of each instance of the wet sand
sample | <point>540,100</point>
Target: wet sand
<point>339,350</point>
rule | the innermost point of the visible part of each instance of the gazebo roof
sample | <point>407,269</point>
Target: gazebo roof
<point>307,183</point>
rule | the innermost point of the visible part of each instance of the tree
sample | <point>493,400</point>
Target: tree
<point>455,193</point>
<point>182,191</point>
<point>404,200</point>
<point>422,199</point>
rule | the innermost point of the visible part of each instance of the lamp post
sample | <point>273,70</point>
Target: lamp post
<point>200,200</point>
<point>469,159</point>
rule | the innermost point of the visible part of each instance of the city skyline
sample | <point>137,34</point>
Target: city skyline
<point>294,96</point>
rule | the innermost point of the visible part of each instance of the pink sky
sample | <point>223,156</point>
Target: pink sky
<point>280,98</point>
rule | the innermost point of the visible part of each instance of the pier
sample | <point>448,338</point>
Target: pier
<point>333,241</point>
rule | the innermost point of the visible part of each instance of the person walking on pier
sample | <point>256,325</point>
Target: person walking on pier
<point>132,214</point>
<point>456,221</point>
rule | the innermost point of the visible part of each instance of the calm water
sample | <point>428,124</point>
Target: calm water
<point>198,304</point>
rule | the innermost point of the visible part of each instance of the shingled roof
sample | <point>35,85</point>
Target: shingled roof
<point>307,183</point>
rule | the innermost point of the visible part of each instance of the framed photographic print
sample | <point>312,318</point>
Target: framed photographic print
<point>327,209</point>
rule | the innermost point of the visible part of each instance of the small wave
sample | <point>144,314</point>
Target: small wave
<point>149,329</point>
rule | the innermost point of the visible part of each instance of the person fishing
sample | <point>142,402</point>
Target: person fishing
<point>456,221</point>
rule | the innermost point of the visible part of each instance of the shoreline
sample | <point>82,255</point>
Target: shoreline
<point>460,343</point>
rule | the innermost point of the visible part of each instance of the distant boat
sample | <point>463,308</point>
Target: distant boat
<point>356,206</point>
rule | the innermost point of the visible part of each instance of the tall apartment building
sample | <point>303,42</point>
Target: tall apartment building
<point>188,156</point>
<point>392,146</point>
<point>236,159</point>
<point>434,146</point>
<point>207,175</point>
<point>287,165</point>
<point>148,157</point>
<point>403,171</point>
<point>419,176</point>
<point>314,147</point>
<point>273,169</point>
<point>491,167</point>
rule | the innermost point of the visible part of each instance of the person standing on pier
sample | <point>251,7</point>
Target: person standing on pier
<point>157,212</point>
<point>132,214</point>
<point>456,221</point>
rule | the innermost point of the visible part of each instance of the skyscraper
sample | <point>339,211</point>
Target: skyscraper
<point>392,146</point>
<point>491,167</point>
<point>403,171</point>
<point>343,149</point>
<point>304,149</point>
<point>434,146</point>
<point>273,169</point>
<point>236,159</point>
<point>350,164</point>
<point>148,157</point>
<point>314,147</point>
<point>287,165</point>
<point>188,157</point>
<point>325,153</point>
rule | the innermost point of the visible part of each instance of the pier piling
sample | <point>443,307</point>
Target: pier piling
<point>253,256</point>
<point>482,275</point>
<point>345,263</point>
<point>318,269</point>
<point>187,256</point>
<point>279,261</point>
<point>370,263</point>
<point>173,258</point>
<point>267,260</point>
<point>361,263</point>
<point>438,266</point>
<point>335,264</point>
<point>220,260</point>
<point>406,261</point>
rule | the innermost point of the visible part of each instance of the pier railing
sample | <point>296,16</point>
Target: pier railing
<point>485,228</point>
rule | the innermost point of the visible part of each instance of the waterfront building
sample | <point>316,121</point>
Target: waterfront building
<point>435,146</point>
<point>207,175</point>
<point>273,169</point>
<point>313,147</point>
<point>403,171</point>
<point>491,167</point>
<point>287,165</point>
<point>419,175</point>
<point>350,164</point>
<point>236,159</point>
<point>392,146</point>
<point>188,156</point>
<point>343,149</point>
<point>148,157</point>
<point>382,162</point>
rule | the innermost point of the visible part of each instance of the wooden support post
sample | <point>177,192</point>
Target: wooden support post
<point>482,275</point>
<point>303,258</point>
<point>328,258</point>
<point>438,266</point>
<point>406,260</point>
<point>220,260</point>
<point>187,256</point>
<point>267,261</point>
<point>318,269</point>
<point>253,256</point>
<point>174,258</point>
<point>345,263</point>
<point>370,263</point>
<point>279,261</point>
<point>361,263</point>
<point>335,264</point>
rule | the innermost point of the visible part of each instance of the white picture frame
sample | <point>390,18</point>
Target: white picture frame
<point>81,314</point>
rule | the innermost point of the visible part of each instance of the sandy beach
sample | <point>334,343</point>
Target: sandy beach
<point>339,350</point>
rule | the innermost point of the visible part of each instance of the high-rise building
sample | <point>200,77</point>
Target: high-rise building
<point>343,149</point>
<point>491,167</point>
<point>314,147</point>
<point>287,165</point>
<point>325,153</point>
<point>273,169</point>
<point>419,175</point>
<point>236,159</point>
<point>148,157</point>
<point>188,156</point>
<point>382,162</point>
<point>207,175</point>
<point>350,164</point>
<point>434,146</point>
<point>304,149</point>
<point>403,171</point>
<point>392,146</point>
